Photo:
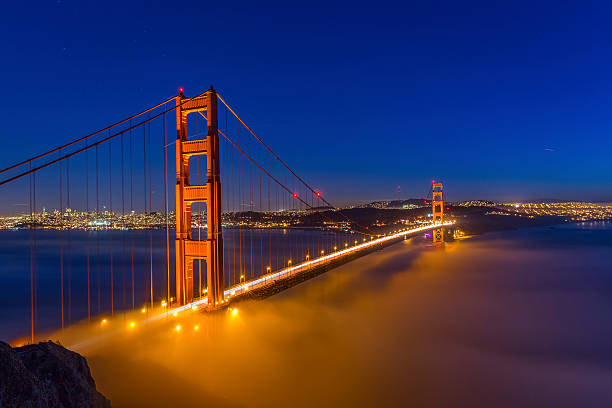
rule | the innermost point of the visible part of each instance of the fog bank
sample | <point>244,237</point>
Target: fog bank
<point>481,323</point>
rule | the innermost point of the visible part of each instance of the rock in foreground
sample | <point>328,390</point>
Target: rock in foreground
<point>46,375</point>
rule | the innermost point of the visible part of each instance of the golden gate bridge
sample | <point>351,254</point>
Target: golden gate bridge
<point>242,195</point>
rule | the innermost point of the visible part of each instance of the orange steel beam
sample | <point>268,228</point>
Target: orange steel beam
<point>437,204</point>
<point>188,249</point>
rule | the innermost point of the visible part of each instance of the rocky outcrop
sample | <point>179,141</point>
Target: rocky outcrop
<point>46,375</point>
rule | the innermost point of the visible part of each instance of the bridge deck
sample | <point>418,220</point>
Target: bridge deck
<point>274,282</point>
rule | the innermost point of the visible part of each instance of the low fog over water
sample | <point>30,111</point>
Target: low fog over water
<point>505,320</point>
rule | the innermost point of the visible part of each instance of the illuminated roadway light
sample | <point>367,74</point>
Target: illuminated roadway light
<point>132,324</point>
<point>175,314</point>
<point>143,310</point>
<point>234,311</point>
<point>104,321</point>
<point>194,307</point>
<point>196,327</point>
<point>178,327</point>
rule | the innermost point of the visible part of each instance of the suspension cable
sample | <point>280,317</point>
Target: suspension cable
<point>316,193</point>
<point>40,156</point>
<point>274,154</point>
<point>90,145</point>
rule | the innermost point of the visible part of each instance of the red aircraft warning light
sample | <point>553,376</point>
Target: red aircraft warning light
<point>318,194</point>
<point>295,195</point>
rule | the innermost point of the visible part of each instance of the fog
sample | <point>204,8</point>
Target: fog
<point>478,323</point>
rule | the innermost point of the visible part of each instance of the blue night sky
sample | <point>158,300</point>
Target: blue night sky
<point>500,100</point>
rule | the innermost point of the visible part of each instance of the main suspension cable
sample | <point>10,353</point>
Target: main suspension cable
<point>40,156</point>
<point>316,193</point>
<point>90,145</point>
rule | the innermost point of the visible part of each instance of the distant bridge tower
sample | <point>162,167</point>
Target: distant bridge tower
<point>438,211</point>
<point>188,249</point>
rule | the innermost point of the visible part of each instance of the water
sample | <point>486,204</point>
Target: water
<point>83,255</point>
<point>512,319</point>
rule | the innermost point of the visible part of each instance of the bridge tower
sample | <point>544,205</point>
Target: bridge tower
<point>188,249</point>
<point>438,211</point>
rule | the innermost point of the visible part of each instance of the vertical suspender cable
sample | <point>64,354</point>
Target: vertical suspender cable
<point>165,145</point>
<point>251,213</point>
<point>110,232</point>
<point>88,218</point>
<point>31,262</point>
<point>132,210</point>
<point>97,233</point>
<point>69,246</point>
<point>61,205</point>
<point>150,210</point>
<point>144,177</point>
<point>123,223</point>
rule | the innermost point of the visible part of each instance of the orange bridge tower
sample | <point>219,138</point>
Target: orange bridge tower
<point>438,212</point>
<point>188,249</point>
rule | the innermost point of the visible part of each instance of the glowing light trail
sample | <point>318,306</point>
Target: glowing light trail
<point>317,261</point>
